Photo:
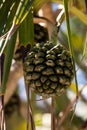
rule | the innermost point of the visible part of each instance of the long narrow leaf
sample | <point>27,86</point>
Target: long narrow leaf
<point>31,29</point>
<point>11,17</point>
<point>27,9</point>
<point>69,40</point>
<point>85,46</point>
<point>26,31</point>
<point>4,14</point>
<point>17,20</point>
<point>22,11</point>
<point>79,14</point>
<point>8,61</point>
<point>1,43</point>
<point>53,113</point>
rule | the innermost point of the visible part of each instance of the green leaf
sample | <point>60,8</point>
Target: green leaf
<point>5,10</point>
<point>85,47</point>
<point>11,17</point>
<point>1,2</point>
<point>79,14</point>
<point>8,61</point>
<point>26,31</point>
<point>1,43</point>
<point>78,32</point>
<point>22,11</point>
<point>69,41</point>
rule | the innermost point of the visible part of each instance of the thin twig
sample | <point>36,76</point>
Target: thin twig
<point>28,116</point>
<point>4,36</point>
<point>67,109</point>
<point>65,113</point>
<point>3,125</point>
<point>52,114</point>
<point>29,110</point>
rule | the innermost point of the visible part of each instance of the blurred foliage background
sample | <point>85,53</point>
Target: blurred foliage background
<point>14,18</point>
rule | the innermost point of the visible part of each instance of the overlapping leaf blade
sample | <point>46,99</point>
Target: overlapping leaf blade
<point>11,43</point>
<point>69,41</point>
<point>11,16</point>
<point>8,61</point>
<point>22,11</point>
<point>26,31</point>
<point>4,12</point>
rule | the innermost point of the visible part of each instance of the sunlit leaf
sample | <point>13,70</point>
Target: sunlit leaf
<point>79,14</point>
<point>70,41</point>
<point>85,47</point>
<point>5,10</point>
<point>11,16</point>
<point>22,11</point>
<point>78,33</point>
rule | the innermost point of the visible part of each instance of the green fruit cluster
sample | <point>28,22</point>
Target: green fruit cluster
<point>48,69</point>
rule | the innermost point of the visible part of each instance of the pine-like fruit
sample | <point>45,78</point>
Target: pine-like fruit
<point>48,69</point>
